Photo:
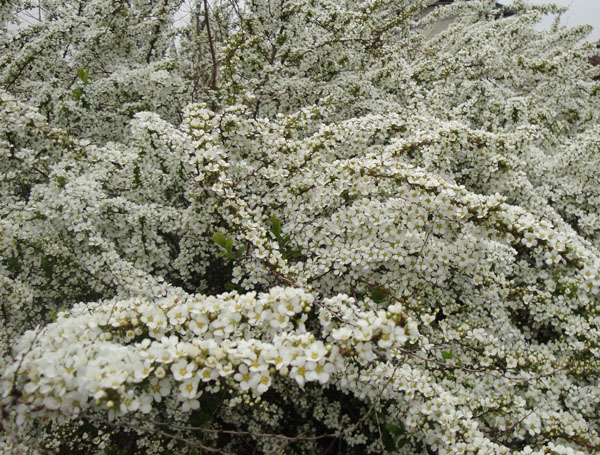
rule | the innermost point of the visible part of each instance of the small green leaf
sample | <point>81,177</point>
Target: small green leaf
<point>220,240</point>
<point>378,296</point>
<point>226,243</point>
<point>395,429</point>
<point>447,355</point>
<point>77,93</point>
<point>401,442</point>
<point>47,267</point>
<point>291,253</point>
<point>83,74</point>
<point>13,264</point>
<point>281,39</point>
<point>137,177</point>
<point>61,181</point>
<point>199,418</point>
<point>276,226</point>
<point>234,287</point>
<point>208,405</point>
<point>388,440</point>
<point>393,436</point>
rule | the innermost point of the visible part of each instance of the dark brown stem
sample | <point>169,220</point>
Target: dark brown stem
<point>212,83</point>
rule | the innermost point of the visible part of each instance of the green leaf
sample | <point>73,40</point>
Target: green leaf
<point>234,287</point>
<point>77,93</point>
<point>378,296</point>
<point>220,240</point>
<point>276,227</point>
<point>47,267</point>
<point>137,177</point>
<point>61,181</point>
<point>83,74</point>
<point>199,418</point>
<point>401,442</point>
<point>291,253</point>
<point>208,406</point>
<point>447,355</point>
<point>226,243</point>
<point>393,436</point>
<point>388,440</point>
<point>13,265</point>
<point>395,429</point>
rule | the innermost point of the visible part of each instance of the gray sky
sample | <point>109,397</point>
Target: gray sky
<point>580,12</point>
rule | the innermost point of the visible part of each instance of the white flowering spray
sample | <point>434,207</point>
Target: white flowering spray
<point>297,227</point>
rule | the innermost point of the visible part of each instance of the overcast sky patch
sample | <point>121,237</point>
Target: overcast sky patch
<point>580,12</point>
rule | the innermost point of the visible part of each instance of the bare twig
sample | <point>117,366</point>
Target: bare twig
<point>212,83</point>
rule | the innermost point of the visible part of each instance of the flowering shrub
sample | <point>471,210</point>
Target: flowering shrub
<point>290,227</point>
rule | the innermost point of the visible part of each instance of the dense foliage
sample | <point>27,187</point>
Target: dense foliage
<point>297,226</point>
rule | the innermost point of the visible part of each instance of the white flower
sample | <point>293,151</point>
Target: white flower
<point>190,405</point>
<point>321,371</point>
<point>207,374</point>
<point>260,382</point>
<point>182,369</point>
<point>188,389</point>
<point>141,370</point>
<point>145,403</point>
<point>316,351</point>
<point>178,315</point>
<point>298,373</point>
<point>243,377</point>
<point>159,388</point>
<point>199,324</point>
<point>154,318</point>
<point>342,334</point>
<point>129,402</point>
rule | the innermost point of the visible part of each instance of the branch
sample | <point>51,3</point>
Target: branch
<point>212,83</point>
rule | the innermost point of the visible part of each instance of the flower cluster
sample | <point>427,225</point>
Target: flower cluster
<point>298,226</point>
<point>123,355</point>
